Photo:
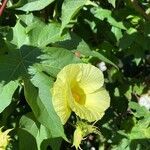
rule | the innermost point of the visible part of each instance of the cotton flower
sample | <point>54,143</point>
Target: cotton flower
<point>4,139</point>
<point>144,100</point>
<point>102,66</point>
<point>78,88</point>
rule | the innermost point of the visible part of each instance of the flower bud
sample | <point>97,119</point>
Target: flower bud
<point>4,139</point>
<point>83,129</point>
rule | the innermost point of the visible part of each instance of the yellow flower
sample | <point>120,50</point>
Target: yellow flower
<point>4,139</point>
<point>78,88</point>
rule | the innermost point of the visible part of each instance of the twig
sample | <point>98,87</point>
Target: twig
<point>139,9</point>
<point>2,7</point>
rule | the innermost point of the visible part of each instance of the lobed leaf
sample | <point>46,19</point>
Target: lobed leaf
<point>6,93</point>
<point>34,5</point>
<point>69,9</point>
<point>40,103</point>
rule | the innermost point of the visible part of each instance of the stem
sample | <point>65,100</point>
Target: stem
<point>2,7</point>
<point>139,9</point>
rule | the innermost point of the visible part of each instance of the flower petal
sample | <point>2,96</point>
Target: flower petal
<point>60,103</point>
<point>69,73</point>
<point>97,103</point>
<point>88,77</point>
<point>91,78</point>
<point>95,106</point>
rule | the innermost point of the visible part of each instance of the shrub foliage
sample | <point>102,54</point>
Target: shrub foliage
<point>39,37</point>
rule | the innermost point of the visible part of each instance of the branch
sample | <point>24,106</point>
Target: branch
<point>139,9</point>
<point>2,6</point>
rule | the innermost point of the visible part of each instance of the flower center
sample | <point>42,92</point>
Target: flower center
<point>78,94</point>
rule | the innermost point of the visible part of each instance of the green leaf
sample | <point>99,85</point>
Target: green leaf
<point>113,2</point>
<point>32,34</point>
<point>29,132</point>
<point>69,9</point>
<point>29,19</point>
<point>102,58</point>
<point>55,144</point>
<point>138,88</point>
<point>41,38</point>
<point>123,145</point>
<point>26,140</point>
<point>18,35</point>
<point>140,132</point>
<point>139,111</point>
<point>50,34</point>
<point>75,43</point>
<point>128,38</point>
<point>39,132</point>
<point>34,5</point>
<point>20,3</point>
<point>55,59</point>
<point>6,93</point>
<point>41,105</point>
<point>14,63</point>
<point>85,50</point>
<point>117,32</point>
<point>102,14</point>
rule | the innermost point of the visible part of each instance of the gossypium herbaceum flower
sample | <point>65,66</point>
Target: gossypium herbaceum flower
<point>78,88</point>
